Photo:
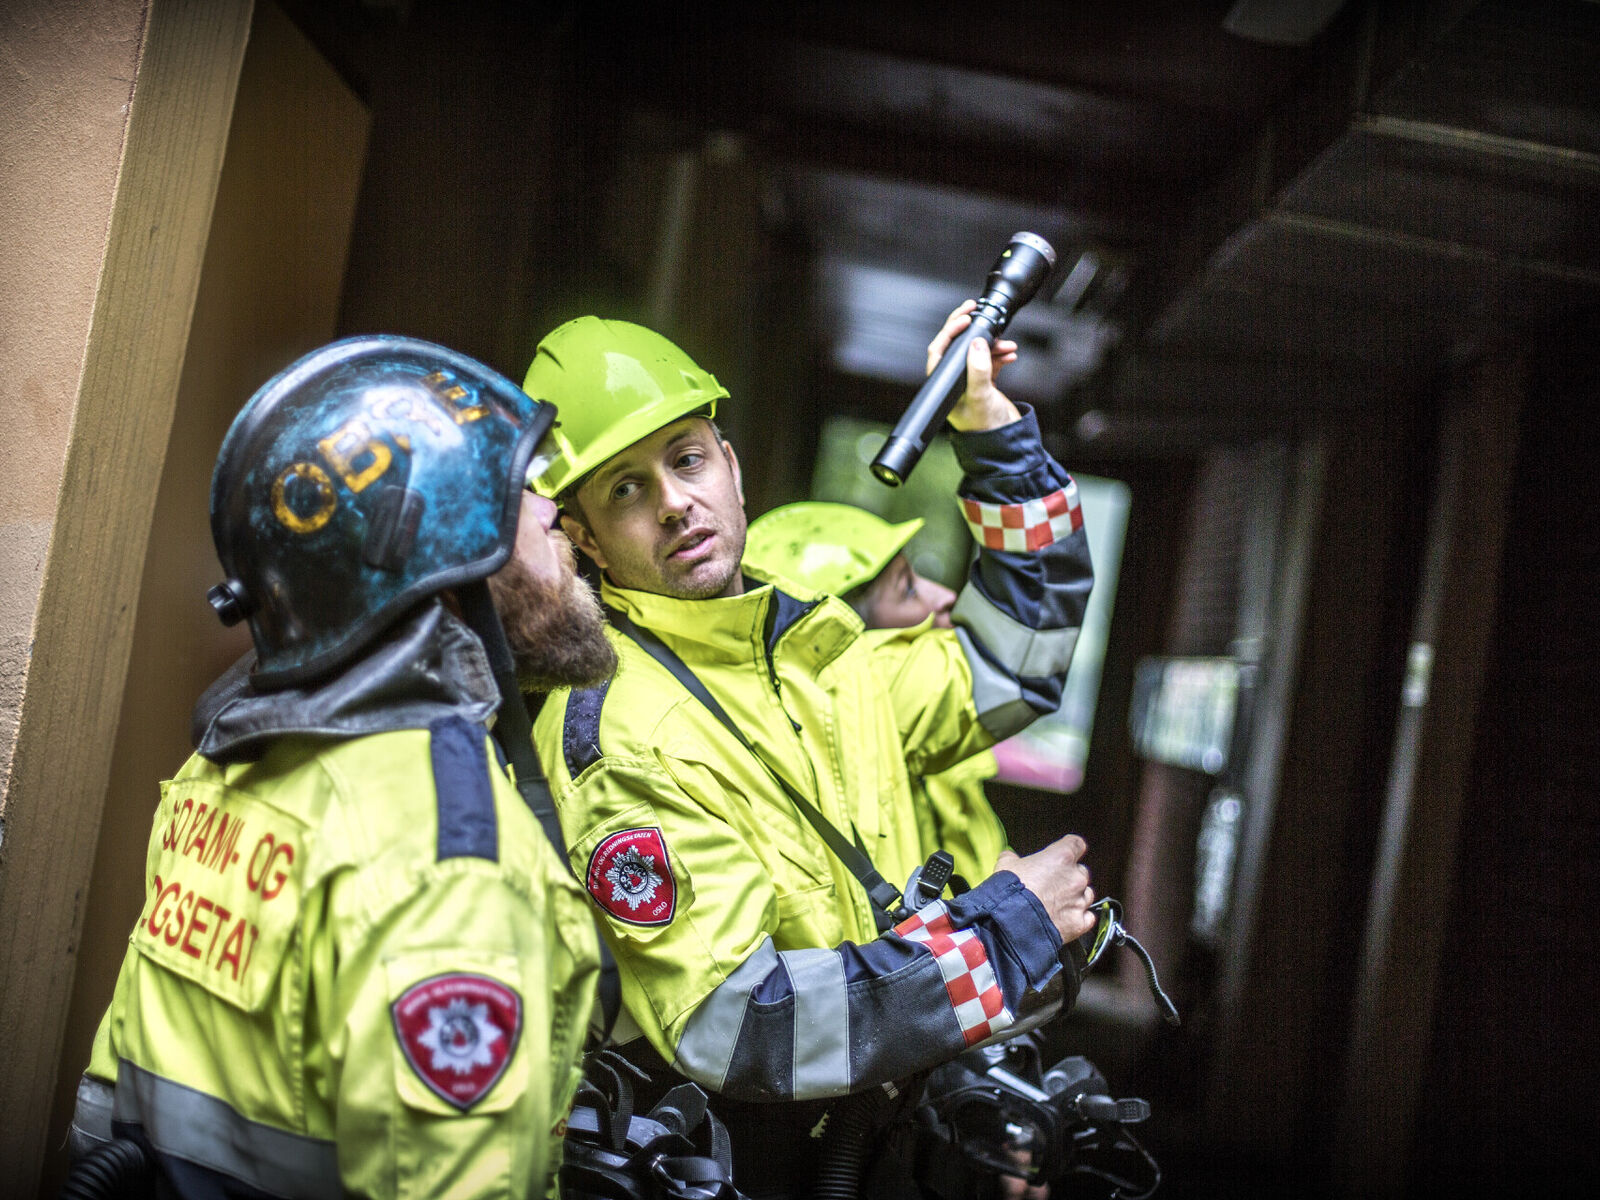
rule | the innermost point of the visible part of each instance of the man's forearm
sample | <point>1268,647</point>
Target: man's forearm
<point>1019,615</point>
<point>805,1024</point>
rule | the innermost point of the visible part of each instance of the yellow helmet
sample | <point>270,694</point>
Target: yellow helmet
<point>828,547</point>
<point>614,383</point>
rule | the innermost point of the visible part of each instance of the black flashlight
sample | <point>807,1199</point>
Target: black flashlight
<point>1013,280</point>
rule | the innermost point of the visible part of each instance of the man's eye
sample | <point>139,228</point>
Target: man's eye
<point>690,459</point>
<point>624,489</point>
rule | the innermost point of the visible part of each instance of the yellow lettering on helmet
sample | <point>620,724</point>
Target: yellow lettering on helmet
<point>350,442</point>
<point>327,500</point>
<point>450,394</point>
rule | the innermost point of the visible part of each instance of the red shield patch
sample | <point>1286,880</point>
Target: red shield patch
<point>631,878</point>
<point>458,1032</point>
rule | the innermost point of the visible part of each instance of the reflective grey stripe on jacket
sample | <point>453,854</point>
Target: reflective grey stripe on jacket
<point>787,1026</point>
<point>811,1024</point>
<point>1010,652</point>
<point>189,1124</point>
<point>91,1118</point>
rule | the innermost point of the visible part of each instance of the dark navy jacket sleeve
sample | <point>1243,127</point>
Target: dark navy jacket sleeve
<point>816,1023</point>
<point>1019,615</point>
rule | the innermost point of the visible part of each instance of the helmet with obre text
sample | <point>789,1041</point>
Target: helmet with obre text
<point>365,477</point>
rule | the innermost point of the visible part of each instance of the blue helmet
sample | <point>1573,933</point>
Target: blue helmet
<point>365,477</point>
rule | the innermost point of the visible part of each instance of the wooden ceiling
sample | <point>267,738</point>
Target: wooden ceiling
<point>1281,228</point>
<point>1293,209</point>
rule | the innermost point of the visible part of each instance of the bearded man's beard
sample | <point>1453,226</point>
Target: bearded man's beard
<point>557,634</point>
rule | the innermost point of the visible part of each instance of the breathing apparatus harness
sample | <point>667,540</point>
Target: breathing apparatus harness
<point>678,1150</point>
<point>994,1112</point>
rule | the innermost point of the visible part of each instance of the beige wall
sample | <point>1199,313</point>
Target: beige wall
<point>115,118</point>
<point>269,291</point>
<point>66,77</point>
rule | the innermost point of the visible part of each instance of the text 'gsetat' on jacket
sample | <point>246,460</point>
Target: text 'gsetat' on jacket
<point>748,952</point>
<point>360,968</point>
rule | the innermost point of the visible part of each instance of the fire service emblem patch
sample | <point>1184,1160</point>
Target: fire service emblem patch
<point>630,877</point>
<point>458,1033</point>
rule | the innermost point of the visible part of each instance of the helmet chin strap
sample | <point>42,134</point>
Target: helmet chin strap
<point>514,731</point>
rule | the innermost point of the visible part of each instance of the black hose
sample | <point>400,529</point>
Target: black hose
<point>1169,1010</point>
<point>110,1171</point>
<point>839,1174</point>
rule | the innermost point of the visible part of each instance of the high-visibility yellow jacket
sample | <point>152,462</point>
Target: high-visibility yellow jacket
<point>748,952</point>
<point>360,969</point>
<point>954,814</point>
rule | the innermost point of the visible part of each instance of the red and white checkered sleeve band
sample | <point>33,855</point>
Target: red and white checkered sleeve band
<point>969,980</point>
<point>1031,525</point>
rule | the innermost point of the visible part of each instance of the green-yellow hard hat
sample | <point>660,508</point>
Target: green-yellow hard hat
<point>825,546</point>
<point>612,382</point>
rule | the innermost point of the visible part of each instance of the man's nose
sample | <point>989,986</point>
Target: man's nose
<point>544,511</point>
<point>672,501</point>
<point>943,601</point>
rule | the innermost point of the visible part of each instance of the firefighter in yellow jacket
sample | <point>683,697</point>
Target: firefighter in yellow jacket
<point>721,796</point>
<point>361,968</point>
<point>858,556</point>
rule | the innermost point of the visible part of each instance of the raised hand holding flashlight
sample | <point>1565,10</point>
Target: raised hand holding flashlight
<point>1013,280</point>
<point>982,405</point>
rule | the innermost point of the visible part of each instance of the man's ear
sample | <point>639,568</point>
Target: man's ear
<point>738,479</point>
<point>579,533</point>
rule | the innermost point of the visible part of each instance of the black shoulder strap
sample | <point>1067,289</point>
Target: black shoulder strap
<point>514,731</point>
<point>885,899</point>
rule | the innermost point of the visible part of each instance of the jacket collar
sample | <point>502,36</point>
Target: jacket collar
<point>735,629</point>
<point>428,666</point>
